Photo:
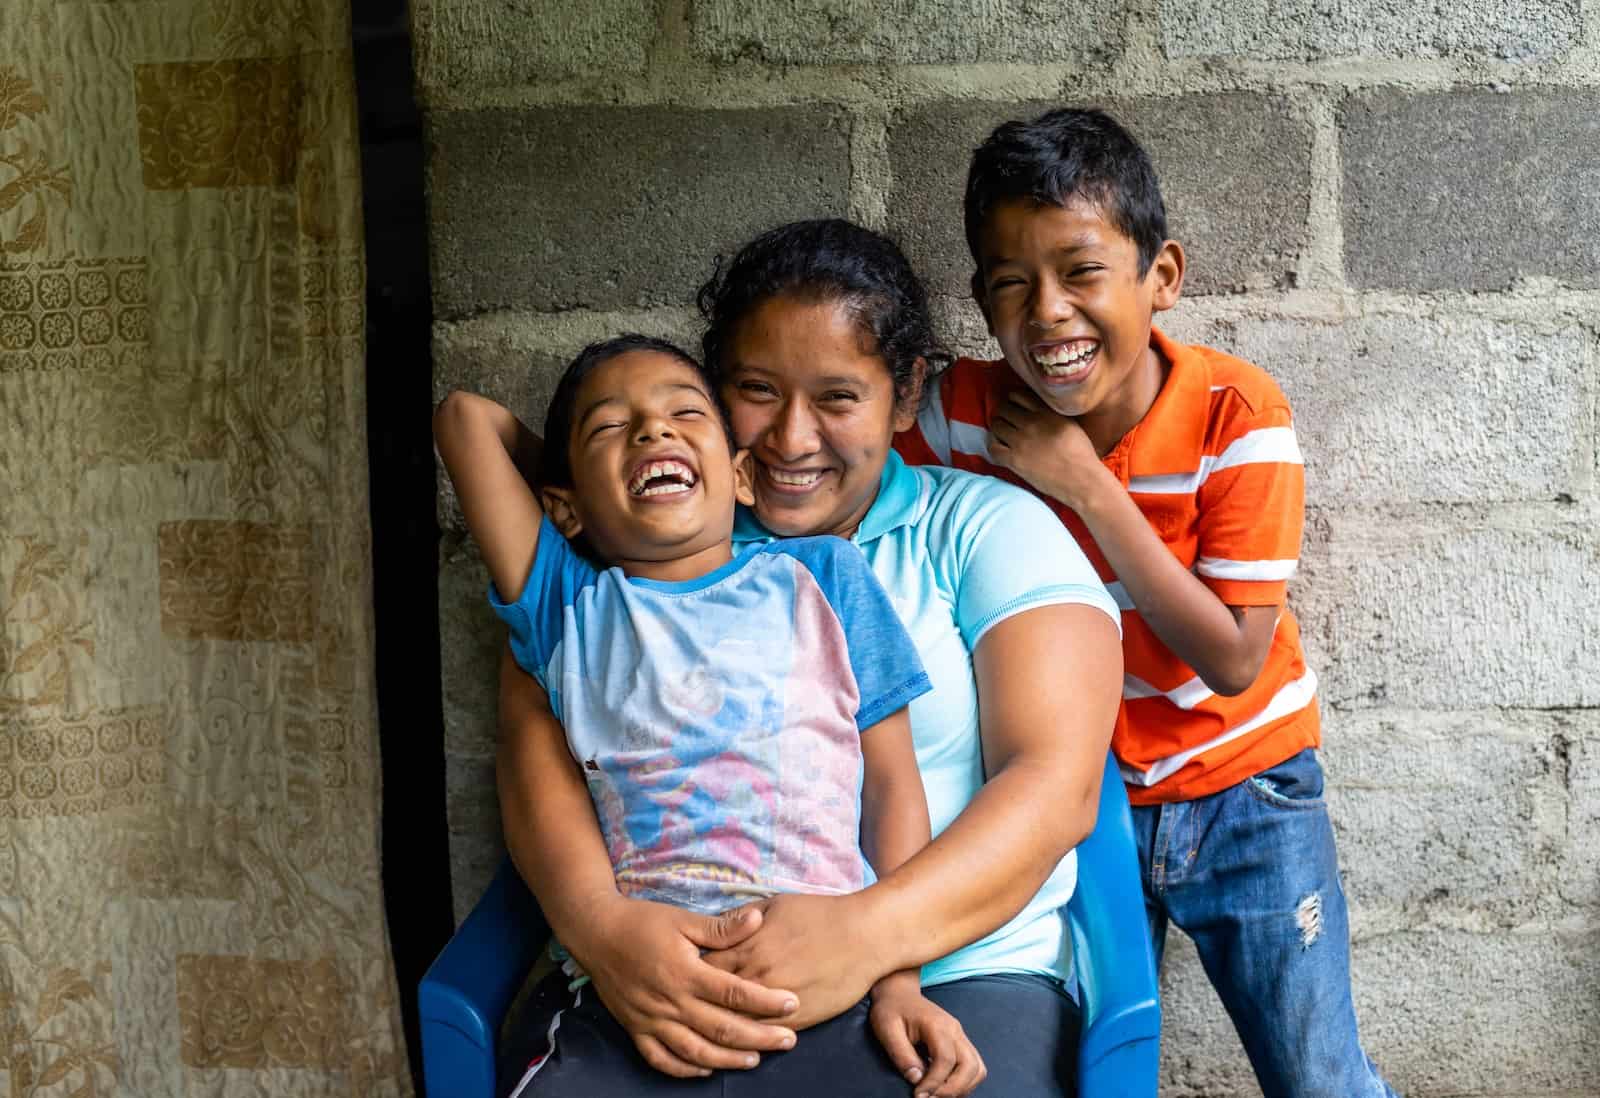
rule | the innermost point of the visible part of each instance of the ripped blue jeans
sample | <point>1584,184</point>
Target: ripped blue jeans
<point>1251,875</point>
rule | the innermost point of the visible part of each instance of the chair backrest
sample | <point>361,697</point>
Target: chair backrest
<point>1119,1052</point>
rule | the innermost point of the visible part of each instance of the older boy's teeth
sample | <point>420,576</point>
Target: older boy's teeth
<point>1065,358</point>
<point>798,480</point>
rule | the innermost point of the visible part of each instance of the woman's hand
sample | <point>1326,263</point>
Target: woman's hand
<point>903,1019</point>
<point>819,947</point>
<point>685,1016</point>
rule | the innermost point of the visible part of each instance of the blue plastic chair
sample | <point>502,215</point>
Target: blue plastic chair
<point>466,992</point>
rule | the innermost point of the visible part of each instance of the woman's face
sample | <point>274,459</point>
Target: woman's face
<point>817,412</point>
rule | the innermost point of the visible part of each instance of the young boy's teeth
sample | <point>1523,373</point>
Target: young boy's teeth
<point>679,478</point>
<point>798,480</point>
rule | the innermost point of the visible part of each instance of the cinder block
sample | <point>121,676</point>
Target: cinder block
<point>1260,30</point>
<point>1441,1012</point>
<point>611,207</point>
<point>1453,608</point>
<point>474,858</point>
<point>1470,190</point>
<point>845,32</point>
<point>1363,389</point>
<point>470,642</point>
<point>1579,767</point>
<point>1235,171</point>
<point>1446,1012</point>
<point>467,46</point>
<point>1444,814</point>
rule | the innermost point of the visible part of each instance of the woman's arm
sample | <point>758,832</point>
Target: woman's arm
<point>1049,683</point>
<point>480,443</point>
<point>644,958</point>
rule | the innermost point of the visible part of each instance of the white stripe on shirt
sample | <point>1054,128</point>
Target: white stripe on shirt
<point>969,438</point>
<point>1289,699</point>
<point>1224,569</point>
<point>1184,696</point>
<point>934,426</point>
<point>1259,447</point>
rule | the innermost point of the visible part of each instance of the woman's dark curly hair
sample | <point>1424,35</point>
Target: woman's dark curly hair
<point>828,260</point>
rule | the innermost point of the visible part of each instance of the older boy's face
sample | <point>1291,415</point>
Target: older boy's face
<point>1061,290</point>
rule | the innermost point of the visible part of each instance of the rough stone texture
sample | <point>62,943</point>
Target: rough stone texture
<point>1281,29</point>
<point>1209,150</point>
<point>906,31</point>
<point>1470,190</point>
<point>1422,836</point>
<point>1447,1012</point>
<point>604,207</point>
<point>1452,608</point>
<point>473,810</point>
<point>478,44</point>
<point>1441,1011</point>
<point>1408,409</point>
<point>1579,879</point>
<point>470,639</point>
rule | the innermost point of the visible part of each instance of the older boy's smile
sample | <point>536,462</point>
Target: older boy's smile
<point>1066,362</point>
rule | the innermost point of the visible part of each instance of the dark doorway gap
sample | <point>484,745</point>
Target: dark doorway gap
<point>405,533</point>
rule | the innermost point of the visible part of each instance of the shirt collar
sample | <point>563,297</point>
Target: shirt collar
<point>1171,436</point>
<point>898,504</point>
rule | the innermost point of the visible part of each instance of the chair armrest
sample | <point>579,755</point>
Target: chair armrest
<point>1119,1051</point>
<point>464,996</point>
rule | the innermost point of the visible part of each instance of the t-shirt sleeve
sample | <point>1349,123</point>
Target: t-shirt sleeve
<point>1010,553</point>
<point>883,658</point>
<point>1251,512</point>
<point>554,582</point>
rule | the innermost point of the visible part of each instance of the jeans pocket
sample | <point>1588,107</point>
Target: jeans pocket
<point>1294,783</point>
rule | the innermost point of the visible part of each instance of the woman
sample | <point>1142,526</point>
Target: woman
<point>819,336</point>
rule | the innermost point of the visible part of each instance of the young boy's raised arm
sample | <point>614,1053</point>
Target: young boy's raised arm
<point>487,451</point>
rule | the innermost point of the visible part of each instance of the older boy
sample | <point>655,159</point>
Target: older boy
<point>1177,470</point>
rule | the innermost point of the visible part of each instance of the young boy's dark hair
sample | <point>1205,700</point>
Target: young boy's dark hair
<point>555,467</point>
<point>1062,156</point>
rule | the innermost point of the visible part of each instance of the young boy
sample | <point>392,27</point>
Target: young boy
<point>1176,468</point>
<point>740,719</point>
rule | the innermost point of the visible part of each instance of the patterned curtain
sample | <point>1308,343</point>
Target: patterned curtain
<point>189,891</point>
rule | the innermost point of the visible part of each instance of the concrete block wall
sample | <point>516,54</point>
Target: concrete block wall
<point>1395,208</point>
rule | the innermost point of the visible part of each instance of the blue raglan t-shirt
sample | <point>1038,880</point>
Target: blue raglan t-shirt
<point>718,721</point>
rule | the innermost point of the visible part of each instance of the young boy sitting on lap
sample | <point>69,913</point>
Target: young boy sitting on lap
<point>1176,468</point>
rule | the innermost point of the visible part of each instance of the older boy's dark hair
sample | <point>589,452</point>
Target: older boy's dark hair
<point>1065,155</point>
<point>555,463</point>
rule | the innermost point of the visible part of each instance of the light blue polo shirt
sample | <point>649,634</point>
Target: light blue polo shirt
<point>958,553</point>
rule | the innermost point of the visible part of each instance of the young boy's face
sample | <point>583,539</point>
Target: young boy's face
<point>653,477</point>
<point>1061,290</point>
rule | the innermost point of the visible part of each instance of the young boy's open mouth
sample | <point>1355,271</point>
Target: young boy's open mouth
<point>661,477</point>
<point>1067,361</point>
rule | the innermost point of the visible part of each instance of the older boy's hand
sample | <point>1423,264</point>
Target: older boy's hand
<point>1044,448</point>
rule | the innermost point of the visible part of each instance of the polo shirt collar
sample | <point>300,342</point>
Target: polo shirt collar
<point>898,504</point>
<point>1171,436</point>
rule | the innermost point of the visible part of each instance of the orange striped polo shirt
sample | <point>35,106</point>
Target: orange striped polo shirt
<point>1216,471</point>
